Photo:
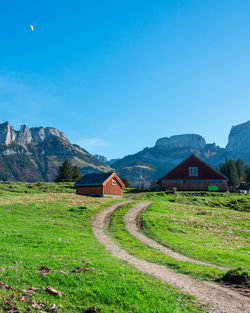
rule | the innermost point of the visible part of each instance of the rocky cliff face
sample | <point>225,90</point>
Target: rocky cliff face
<point>27,135</point>
<point>35,154</point>
<point>101,158</point>
<point>189,140</point>
<point>239,138</point>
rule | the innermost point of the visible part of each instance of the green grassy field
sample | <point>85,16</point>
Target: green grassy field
<point>215,235</point>
<point>52,230</point>
<point>238,202</point>
<point>8,188</point>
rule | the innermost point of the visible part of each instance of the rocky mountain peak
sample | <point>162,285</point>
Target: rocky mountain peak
<point>27,135</point>
<point>7,133</point>
<point>188,140</point>
<point>101,158</point>
<point>239,138</point>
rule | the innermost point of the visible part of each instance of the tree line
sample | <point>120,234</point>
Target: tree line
<point>68,173</point>
<point>237,172</point>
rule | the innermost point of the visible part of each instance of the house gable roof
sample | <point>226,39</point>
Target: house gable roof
<point>97,179</point>
<point>115,176</point>
<point>205,171</point>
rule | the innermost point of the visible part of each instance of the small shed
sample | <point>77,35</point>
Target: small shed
<point>100,184</point>
<point>193,174</point>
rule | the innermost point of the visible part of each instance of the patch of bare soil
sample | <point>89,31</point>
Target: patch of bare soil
<point>44,270</point>
<point>80,269</point>
<point>92,310</point>
<point>238,280</point>
<point>10,302</point>
<point>52,291</point>
<point>218,298</point>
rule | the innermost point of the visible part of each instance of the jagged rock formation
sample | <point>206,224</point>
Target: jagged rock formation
<point>34,154</point>
<point>27,135</point>
<point>239,138</point>
<point>152,163</point>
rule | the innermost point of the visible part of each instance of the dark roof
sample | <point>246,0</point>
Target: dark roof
<point>204,170</point>
<point>93,179</point>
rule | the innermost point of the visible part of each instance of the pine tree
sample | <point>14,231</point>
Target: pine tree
<point>76,174</point>
<point>153,183</point>
<point>65,172</point>
<point>126,182</point>
<point>247,174</point>
<point>241,169</point>
<point>229,169</point>
<point>224,168</point>
<point>233,173</point>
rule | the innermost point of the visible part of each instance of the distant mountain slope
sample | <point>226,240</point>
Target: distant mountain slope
<point>35,154</point>
<point>105,160</point>
<point>152,163</point>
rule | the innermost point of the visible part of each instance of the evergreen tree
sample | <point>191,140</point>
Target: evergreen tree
<point>241,169</point>
<point>65,172</point>
<point>247,174</point>
<point>229,169</point>
<point>233,173</point>
<point>126,182</point>
<point>224,168</point>
<point>76,174</point>
<point>153,184</point>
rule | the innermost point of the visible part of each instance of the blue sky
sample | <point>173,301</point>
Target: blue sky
<point>117,75</point>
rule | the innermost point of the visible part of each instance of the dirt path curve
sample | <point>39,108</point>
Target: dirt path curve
<point>219,299</point>
<point>131,222</point>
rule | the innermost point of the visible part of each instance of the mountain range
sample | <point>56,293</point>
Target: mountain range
<point>35,154</point>
<point>152,163</point>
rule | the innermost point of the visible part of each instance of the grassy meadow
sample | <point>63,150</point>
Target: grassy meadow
<point>46,241</point>
<point>214,234</point>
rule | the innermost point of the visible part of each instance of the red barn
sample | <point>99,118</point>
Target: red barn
<point>193,175</point>
<point>100,184</point>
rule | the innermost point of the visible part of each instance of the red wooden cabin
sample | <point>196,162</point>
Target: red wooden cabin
<point>100,184</point>
<point>193,175</point>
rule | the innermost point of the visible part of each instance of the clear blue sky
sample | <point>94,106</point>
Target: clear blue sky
<point>117,75</point>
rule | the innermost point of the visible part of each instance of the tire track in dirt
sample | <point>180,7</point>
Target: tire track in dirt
<point>131,222</point>
<point>219,299</point>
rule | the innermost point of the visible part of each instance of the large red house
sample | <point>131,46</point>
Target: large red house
<point>194,175</point>
<point>100,184</point>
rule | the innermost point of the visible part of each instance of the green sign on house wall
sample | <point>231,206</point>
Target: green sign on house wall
<point>212,188</point>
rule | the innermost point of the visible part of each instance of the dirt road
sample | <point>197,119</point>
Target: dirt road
<point>219,299</point>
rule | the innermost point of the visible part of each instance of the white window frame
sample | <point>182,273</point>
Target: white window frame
<point>193,171</point>
<point>113,182</point>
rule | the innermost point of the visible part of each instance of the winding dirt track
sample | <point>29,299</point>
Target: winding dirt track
<point>131,222</point>
<point>219,299</point>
